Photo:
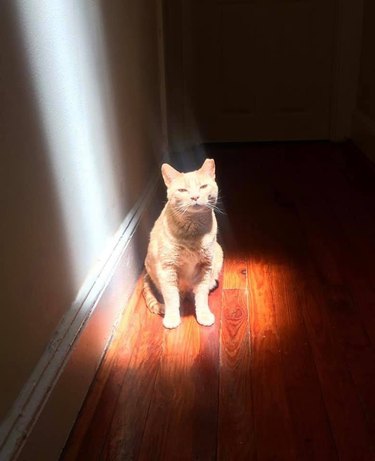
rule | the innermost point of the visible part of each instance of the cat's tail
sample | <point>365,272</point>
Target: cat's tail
<point>152,302</point>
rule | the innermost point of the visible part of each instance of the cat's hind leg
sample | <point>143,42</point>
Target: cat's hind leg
<point>153,304</point>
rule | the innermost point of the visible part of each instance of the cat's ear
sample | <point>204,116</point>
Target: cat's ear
<point>169,173</point>
<point>208,167</point>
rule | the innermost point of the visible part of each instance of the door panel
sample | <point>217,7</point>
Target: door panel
<point>260,70</point>
<point>237,82</point>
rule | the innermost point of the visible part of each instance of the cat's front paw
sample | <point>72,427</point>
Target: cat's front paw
<point>205,318</point>
<point>172,320</point>
<point>213,285</point>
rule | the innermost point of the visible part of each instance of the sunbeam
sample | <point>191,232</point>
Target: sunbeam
<point>67,58</point>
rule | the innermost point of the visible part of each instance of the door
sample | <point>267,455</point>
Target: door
<point>259,69</point>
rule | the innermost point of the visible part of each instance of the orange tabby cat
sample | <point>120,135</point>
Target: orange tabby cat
<point>183,254</point>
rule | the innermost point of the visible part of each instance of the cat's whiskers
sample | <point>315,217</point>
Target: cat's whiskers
<point>181,209</point>
<point>215,208</point>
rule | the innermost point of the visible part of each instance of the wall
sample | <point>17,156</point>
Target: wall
<point>81,136</point>
<point>364,116</point>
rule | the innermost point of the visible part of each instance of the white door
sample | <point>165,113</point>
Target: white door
<point>260,69</point>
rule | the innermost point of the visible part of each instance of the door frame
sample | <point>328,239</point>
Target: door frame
<point>346,66</point>
<point>182,133</point>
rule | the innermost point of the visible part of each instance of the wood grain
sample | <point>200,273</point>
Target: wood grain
<point>168,430</point>
<point>236,424</point>
<point>307,408</point>
<point>347,308</point>
<point>124,436</point>
<point>205,372</point>
<point>288,370</point>
<point>275,437</point>
<point>340,395</point>
<point>344,408</point>
<point>104,390</point>
<point>183,413</point>
<point>235,273</point>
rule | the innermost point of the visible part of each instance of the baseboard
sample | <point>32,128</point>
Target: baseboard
<point>45,411</point>
<point>363,134</point>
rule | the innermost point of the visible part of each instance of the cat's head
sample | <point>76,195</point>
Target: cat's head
<point>191,192</point>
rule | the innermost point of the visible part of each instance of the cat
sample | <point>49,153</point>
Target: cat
<point>183,254</point>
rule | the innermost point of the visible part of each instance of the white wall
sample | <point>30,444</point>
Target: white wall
<point>80,138</point>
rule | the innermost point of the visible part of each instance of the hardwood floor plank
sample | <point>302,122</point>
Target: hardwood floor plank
<point>235,272</point>
<point>124,436</point>
<point>182,419</point>
<point>354,213</point>
<point>236,424</point>
<point>330,238</point>
<point>307,409</point>
<point>345,309</point>
<point>346,416</point>
<point>339,390</point>
<point>85,429</point>
<point>356,350</point>
<point>168,430</point>
<point>205,373</point>
<point>275,438</point>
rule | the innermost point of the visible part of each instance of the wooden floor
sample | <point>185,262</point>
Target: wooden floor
<point>288,370</point>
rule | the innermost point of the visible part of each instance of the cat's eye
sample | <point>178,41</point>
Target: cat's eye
<point>204,186</point>
<point>182,190</point>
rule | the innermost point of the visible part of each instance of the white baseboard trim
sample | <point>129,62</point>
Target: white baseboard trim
<point>45,410</point>
<point>363,133</point>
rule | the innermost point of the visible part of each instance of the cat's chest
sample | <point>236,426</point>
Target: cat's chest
<point>190,258</point>
<point>191,266</point>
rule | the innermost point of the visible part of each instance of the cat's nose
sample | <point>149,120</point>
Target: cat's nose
<point>195,197</point>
